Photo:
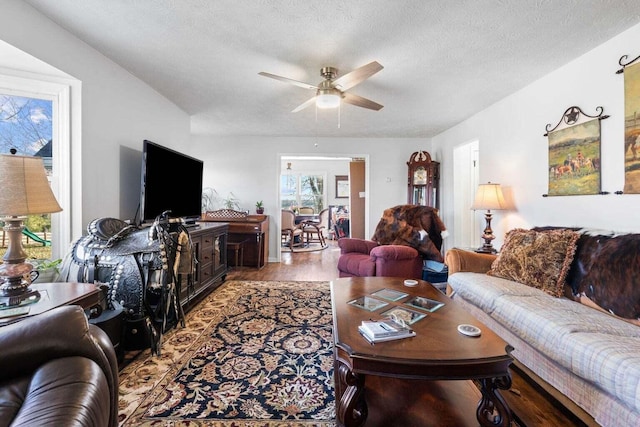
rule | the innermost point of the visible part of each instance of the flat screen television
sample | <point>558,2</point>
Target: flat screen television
<point>171,181</point>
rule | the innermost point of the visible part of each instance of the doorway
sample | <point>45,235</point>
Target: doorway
<point>332,168</point>
<point>465,181</point>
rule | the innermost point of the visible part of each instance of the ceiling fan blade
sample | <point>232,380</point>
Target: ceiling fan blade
<point>304,105</point>
<point>356,76</point>
<point>359,101</point>
<point>287,80</point>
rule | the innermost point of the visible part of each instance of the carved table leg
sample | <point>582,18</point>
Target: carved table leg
<point>351,408</point>
<point>492,409</point>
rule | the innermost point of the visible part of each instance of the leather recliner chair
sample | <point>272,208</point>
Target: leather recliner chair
<point>57,370</point>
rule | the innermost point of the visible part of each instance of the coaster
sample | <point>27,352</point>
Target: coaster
<point>469,330</point>
<point>410,282</point>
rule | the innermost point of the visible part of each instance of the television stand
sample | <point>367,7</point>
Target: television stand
<point>210,250</point>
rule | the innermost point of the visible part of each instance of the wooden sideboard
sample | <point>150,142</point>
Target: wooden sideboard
<point>210,246</point>
<point>253,230</point>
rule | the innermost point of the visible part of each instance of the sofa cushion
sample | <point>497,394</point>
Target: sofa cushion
<point>356,265</point>
<point>608,361</point>
<point>483,290</point>
<point>397,261</point>
<point>540,259</point>
<point>410,225</point>
<point>595,346</point>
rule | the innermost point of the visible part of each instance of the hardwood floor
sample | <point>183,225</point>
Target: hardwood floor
<point>317,265</point>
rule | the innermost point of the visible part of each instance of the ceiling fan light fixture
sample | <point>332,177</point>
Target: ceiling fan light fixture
<point>328,98</point>
<point>333,89</point>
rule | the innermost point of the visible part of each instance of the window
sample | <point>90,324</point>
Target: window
<point>56,92</point>
<point>302,190</point>
<point>26,125</point>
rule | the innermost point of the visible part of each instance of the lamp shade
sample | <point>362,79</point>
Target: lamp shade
<point>24,188</point>
<point>489,196</point>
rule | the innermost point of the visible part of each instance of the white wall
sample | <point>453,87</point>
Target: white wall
<point>118,112</point>
<point>513,150</point>
<point>250,168</point>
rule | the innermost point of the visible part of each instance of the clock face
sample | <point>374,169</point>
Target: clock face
<point>420,176</point>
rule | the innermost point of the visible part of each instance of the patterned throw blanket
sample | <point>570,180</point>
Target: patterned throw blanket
<point>411,225</point>
<point>253,354</point>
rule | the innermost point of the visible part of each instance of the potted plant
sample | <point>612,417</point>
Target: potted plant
<point>259,207</point>
<point>47,270</point>
<point>231,202</point>
<point>209,198</point>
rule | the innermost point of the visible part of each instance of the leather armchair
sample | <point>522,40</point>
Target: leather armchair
<point>362,258</point>
<point>57,369</point>
<point>473,262</point>
<point>460,260</point>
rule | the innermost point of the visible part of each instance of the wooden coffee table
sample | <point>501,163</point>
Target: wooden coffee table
<point>437,352</point>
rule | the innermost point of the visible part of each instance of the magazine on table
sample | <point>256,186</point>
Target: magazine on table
<point>384,330</point>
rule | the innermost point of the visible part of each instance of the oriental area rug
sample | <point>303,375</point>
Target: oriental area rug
<point>253,353</point>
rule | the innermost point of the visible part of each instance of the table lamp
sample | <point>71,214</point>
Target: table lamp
<point>489,196</point>
<point>24,190</point>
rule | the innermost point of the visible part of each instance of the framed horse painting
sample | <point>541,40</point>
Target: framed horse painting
<point>574,154</point>
<point>631,125</point>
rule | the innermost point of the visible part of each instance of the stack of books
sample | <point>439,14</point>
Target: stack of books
<point>384,330</point>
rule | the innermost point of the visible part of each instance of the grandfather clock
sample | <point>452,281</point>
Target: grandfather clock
<point>423,180</point>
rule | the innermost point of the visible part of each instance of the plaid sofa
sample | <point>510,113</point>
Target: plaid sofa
<point>585,352</point>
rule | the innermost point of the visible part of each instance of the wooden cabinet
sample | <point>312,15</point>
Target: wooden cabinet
<point>210,247</point>
<point>423,180</point>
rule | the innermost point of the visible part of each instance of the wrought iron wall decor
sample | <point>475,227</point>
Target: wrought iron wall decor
<point>625,64</point>
<point>631,124</point>
<point>574,153</point>
<point>572,116</point>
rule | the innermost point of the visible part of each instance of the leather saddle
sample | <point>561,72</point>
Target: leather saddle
<point>136,265</point>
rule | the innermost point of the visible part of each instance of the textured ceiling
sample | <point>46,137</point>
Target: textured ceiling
<point>444,60</point>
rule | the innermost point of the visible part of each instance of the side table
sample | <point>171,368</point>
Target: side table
<point>52,295</point>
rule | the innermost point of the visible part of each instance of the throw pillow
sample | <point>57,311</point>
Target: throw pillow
<point>540,259</point>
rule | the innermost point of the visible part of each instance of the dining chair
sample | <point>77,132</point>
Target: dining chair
<point>317,228</point>
<point>290,230</point>
<point>306,210</point>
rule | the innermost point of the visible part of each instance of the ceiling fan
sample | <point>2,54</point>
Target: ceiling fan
<point>331,90</point>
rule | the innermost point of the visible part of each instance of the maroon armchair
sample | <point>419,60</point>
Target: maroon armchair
<point>361,258</point>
